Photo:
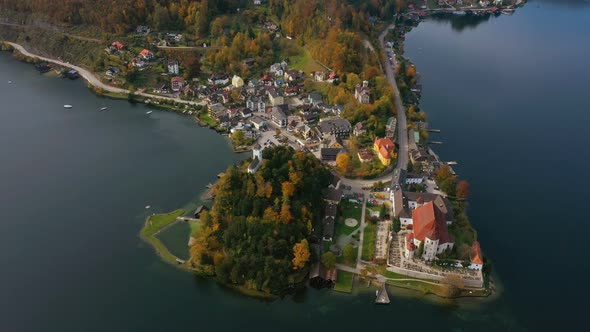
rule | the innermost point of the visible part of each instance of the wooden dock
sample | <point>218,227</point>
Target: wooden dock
<point>187,219</point>
<point>382,296</point>
<point>435,142</point>
<point>433,130</point>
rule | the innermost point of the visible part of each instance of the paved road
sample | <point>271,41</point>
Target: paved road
<point>402,126</point>
<point>94,81</point>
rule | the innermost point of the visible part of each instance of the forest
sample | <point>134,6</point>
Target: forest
<point>258,232</point>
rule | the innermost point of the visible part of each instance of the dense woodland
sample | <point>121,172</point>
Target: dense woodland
<point>258,231</point>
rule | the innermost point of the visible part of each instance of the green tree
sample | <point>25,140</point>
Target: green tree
<point>238,137</point>
<point>396,225</point>
<point>420,250</point>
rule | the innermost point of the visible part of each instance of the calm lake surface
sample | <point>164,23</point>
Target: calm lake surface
<point>507,94</point>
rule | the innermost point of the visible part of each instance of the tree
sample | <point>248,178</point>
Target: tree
<point>328,260</point>
<point>300,254</point>
<point>349,253</point>
<point>420,250</point>
<point>462,189</point>
<point>396,225</point>
<point>383,211</point>
<point>277,131</point>
<point>342,161</point>
<point>238,137</point>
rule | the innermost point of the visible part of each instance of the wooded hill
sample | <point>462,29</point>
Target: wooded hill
<point>258,231</point>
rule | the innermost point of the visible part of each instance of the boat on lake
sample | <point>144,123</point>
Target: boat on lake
<point>104,108</point>
<point>9,82</point>
<point>68,106</point>
<point>148,112</point>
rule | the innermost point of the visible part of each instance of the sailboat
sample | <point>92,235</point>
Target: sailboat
<point>104,108</point>
<point>68,106</point>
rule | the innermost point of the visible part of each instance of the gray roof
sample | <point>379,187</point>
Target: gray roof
<point>402,207</point>
<point>337,124</point>
<point>333,195</point>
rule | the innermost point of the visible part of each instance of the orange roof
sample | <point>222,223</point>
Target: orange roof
<point>429,222</point>
<point>145,52</point>
<point>410,241</point>
<point>385,142</point>
<point>476,257</point>
<point>384,153</point>
<point>177,79</point>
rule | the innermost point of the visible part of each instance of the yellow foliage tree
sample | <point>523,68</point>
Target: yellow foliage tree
<point>301,254</point>
<point>342,161</point>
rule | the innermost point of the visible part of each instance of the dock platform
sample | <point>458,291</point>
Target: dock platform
<point>382,297</point>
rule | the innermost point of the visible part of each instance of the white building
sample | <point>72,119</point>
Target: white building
<point>476,258</point>
<point>256,159</point>
<point>173,67</point>
<point>237,81</point>
<point>403,203</point>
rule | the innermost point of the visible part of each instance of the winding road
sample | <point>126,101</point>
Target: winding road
<point>93,80</point>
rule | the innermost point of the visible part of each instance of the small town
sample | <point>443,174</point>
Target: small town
<point>393,214</point>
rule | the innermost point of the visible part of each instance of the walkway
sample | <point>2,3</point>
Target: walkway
<point>93,80</point>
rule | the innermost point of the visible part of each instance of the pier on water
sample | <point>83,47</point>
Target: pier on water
<point>382,296</point>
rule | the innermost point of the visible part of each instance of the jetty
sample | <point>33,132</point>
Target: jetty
<point>187,219</point>
<point>450,163</point>
<point>435,142</point>
<point>382,297</point>
<point>433,130</point>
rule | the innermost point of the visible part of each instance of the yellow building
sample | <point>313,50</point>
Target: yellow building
<point>385,150</point>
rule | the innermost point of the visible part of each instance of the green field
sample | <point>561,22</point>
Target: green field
<point>349,210</point>
<point>344,282</point>
<point>369,242</point>
<point>158,221</point>
<point>305,62</point>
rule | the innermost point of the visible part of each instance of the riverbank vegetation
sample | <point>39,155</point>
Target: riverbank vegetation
<point>153,225</point>
<point>258,232</point>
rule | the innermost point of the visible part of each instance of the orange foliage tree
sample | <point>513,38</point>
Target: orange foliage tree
<point>301,254</point>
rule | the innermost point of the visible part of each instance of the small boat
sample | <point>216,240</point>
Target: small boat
<point>148,112</point>
<point>147,206</point>
<point>104,108</point>
<point>9,82</point>
<point>68,106</point>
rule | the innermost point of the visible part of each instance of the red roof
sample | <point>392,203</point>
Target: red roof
<point>384,153</point>
<point>267,78</point>
<point>429,222</point>
<point>420,200</point>
<point>333,75</point>
<point>177,79</point>
<point>118,45</point>
<point>145,53</point>
<point>476,257</point>
<point>385,146</point>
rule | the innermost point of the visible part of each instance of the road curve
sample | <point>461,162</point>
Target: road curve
<point>402,126</point>
<point>94,81</point>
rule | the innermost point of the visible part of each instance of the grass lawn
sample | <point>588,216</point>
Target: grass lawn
<point>369,242</point>
<point>326,246</point>
<point>195,227</point>
<point>340,259</point>
<point>305,62</point>
<point>206,120</point>
<point>417,285</point>
<point>159,221</point>
<point>349,210</point>
<point>344,282</point>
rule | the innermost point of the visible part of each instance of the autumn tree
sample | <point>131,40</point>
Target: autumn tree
<point>342,161</point>
<point>238,137</point>
<point>301,254</point>
<point>462,189</point>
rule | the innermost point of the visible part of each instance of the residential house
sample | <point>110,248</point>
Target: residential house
<point>173,67</point>
<point>332,77</point>
<point>146,55</point>
<point>112,71</point>
<point>137,62</point>
<point>385,150</point>
<point>329,221</point>
<point>218,79</point>
<point>319,76</point>
<point>279,116</point>
<point>314,98</point>
<point>249,62</point>
<point>333,142</point>
<point>117,46</point>
<point>237,82</point>
<point>275,97</point>
<point>292,75</point>
<point>335,126</point>
<point>404,202</point>
<point>142,30</point>
<point>329,154</point>
<point>430,230</point>
<point>267,80</point>
<point>363,93</point>
<point>365,156</point>
<point>277,70</point>
<point>359,129</point>
<point>245,112</point>
<point>257,122</point>
<point>177,83</point>
<point>217,110</point>
<point>256,104</point>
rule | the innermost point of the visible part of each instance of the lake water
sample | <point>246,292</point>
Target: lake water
<point>74,182</point>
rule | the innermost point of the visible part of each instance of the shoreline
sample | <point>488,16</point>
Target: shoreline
<point>102,89</point>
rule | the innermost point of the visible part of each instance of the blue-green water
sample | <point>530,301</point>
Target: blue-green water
<point>508,95</point>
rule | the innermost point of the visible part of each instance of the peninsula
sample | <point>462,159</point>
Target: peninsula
<point>342,184</point>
